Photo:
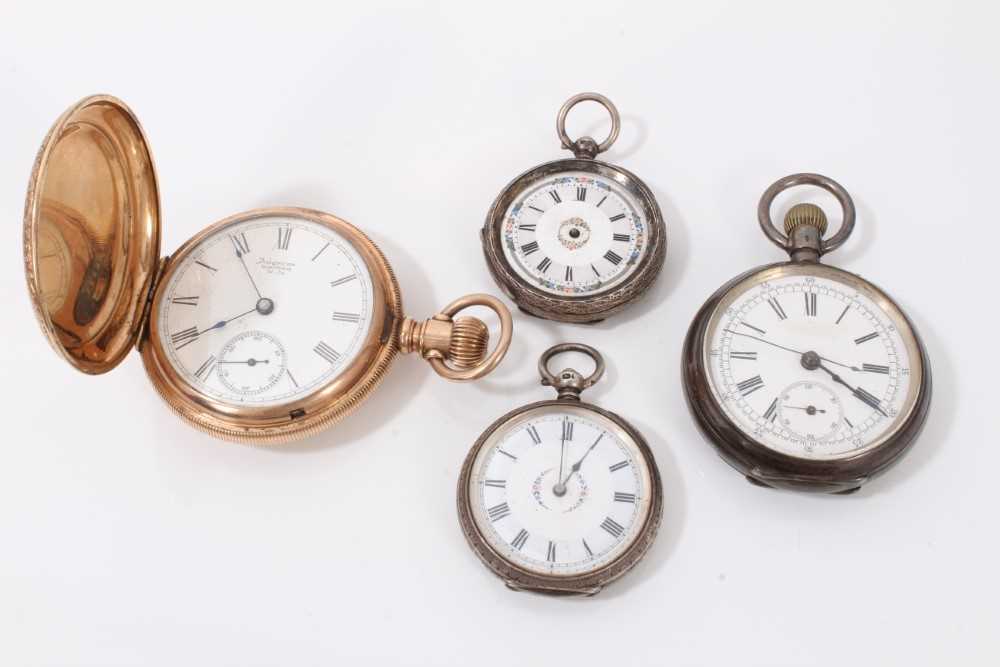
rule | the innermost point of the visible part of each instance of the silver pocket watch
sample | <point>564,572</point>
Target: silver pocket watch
<point>560,496</point>
<point>578,239</point>
<point>803,375</point>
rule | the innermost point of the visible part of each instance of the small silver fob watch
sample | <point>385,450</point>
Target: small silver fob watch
<point>560,496</point>
<point>575,240</point>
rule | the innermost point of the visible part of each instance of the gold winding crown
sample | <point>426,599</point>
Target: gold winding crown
<point>470,338</point>
<point>805,214</point>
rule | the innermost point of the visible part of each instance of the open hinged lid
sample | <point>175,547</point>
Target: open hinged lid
<point>92,233</point>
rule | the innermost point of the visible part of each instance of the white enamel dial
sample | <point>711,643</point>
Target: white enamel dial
<point>560,491</point>
<point>812,365</point>
<point>266,311</point>
<point>575,234</point>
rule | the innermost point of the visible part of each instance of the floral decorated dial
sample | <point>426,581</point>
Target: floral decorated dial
<point>556,492</point>
<point>575,234</point>
<point>809,366</point>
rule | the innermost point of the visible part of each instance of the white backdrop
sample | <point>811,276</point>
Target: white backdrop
<point>127,538</point>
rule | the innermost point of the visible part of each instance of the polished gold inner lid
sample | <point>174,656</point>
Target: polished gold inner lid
<point>92,233</point>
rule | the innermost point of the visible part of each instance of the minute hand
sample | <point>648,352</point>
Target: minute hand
<point>864,397</point>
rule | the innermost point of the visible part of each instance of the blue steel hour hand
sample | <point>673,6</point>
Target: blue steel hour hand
<point>222,323</point>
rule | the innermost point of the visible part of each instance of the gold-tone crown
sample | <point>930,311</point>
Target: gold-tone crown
<point>470,338</point>
<point>805,214</point>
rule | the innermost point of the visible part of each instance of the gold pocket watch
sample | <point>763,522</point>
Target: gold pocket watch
<point>265,327</point>
<point>805,376</point>
<point>575,240</point>
<point>560,496</point>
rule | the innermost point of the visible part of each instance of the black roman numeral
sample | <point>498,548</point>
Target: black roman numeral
<point>201,263</point>
<point>618,466</point>
<point>613,527</point>
<point>527,228</point>
<point>875,368</point>
<point>240,243</point>
<point>772,411</point>
<point>555,196</point>
<point>569,274</point>
<point>519,539</point>
<point>567,430</point>
<point>342,281</point>
<point>581,194</point>
<point>864,339</point>
<point>346,317</point>
<point>529,248</point>
<point>587,547</point>
<point>507,454</point>
<point>602,201</point>
<point>535,208</point>
<point>750,385</point>
<point>544,265</point>
<point>551,555</point>
<point>185,300</point>
<point>760,331</point>
<point>284,236</point>
<point>749,356</point>
<point>810,304</point>
<point>596,272</point>
<point>292,378</point>
<point>616,218</point>
<point>624,238</point>
<point>498,512</point>
<point>776,307</point>
<point>846,308</point>
<point>848,422</point>
<point>613,257</point>
<point>624,497</point>
<point>496,483</point>
<point>327,352</point>
<point>186,337</point>
<point>206,368</point>
<point>533,432</point>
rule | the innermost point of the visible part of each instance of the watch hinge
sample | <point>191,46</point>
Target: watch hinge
<point>147,305</point>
